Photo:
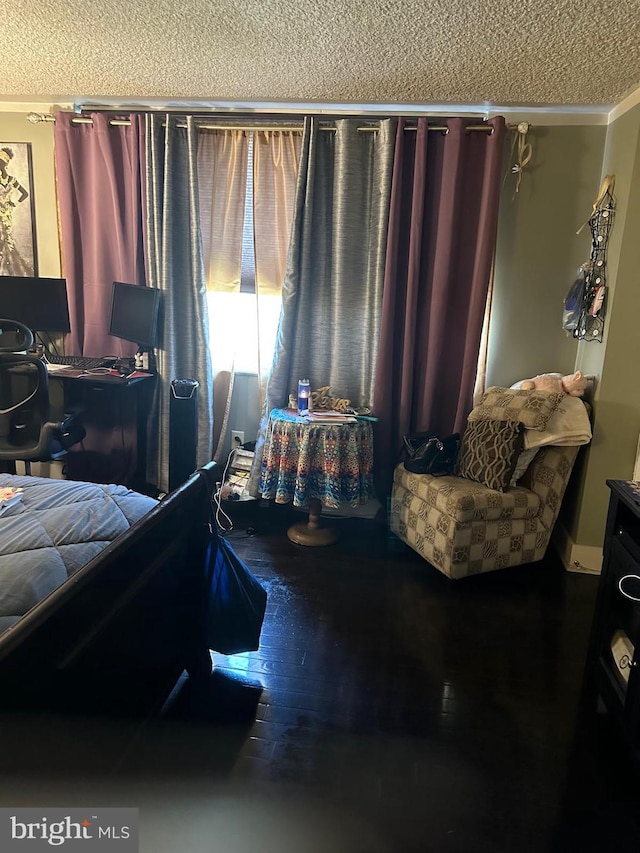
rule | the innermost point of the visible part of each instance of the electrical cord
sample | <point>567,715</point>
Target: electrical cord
<point>216,499</point>
<point>47,346</point>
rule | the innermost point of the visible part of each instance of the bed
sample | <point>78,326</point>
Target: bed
<point>101,594</point>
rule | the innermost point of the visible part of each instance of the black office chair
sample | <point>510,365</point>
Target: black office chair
<point>26,433</point>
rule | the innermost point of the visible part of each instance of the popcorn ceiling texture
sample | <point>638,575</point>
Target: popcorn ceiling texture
<point>441,51</point>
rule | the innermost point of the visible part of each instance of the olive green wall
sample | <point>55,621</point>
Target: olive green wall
<point>14,127</point>
<point>617,399</point>
<point>538,252</point>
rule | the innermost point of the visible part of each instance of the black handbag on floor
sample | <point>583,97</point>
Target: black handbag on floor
<point>429,453</point>
<point>236,601</point>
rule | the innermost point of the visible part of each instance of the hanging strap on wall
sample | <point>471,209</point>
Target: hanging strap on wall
<point>607,187</point>
<point>523,151</point>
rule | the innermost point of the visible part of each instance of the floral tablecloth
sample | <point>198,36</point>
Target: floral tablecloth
<point>330,462</point>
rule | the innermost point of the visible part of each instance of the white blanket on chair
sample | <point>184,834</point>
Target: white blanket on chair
<point>568,425</point>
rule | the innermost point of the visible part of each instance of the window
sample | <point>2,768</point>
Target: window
<point>233,325</point>
<point>243,326</point>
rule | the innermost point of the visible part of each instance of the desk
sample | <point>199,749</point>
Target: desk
<point>114,412</point>
<point>305,462</point>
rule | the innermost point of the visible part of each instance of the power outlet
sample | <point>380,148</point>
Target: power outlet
<point>237,437</point>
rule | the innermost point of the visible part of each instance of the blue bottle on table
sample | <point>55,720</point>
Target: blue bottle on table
<point>303,396</point>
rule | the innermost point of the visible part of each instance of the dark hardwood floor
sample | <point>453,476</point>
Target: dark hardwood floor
<point>388,709</point>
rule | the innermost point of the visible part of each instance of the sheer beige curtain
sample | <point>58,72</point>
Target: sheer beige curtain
<point>222,173</point>
<point>276,157</point>
<point>247,187</point>
<point>222,179</point>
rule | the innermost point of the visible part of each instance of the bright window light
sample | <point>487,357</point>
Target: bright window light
<point>233,330</point>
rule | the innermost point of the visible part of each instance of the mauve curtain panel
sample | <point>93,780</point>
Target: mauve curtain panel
<point>99,174</point>
<point>440,247</point>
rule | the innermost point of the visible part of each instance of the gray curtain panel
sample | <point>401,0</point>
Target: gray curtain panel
<point>176,267</point>
<point>332,292</point>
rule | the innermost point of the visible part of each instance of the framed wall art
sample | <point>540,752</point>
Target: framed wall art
<point>18,255</point>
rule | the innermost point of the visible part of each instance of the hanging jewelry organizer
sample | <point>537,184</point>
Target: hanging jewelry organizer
<point>590,325</point>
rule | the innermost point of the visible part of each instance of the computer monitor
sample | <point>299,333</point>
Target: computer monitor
<point>39,303</point>
<point>134,313</point>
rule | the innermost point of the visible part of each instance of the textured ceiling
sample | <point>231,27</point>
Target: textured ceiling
<point>386,51</point>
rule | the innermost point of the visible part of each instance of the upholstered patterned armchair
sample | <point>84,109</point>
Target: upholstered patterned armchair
<point>464,528</point>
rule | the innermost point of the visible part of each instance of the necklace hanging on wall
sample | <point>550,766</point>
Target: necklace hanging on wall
<point>590,325</point>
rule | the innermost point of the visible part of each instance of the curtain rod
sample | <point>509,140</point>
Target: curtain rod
<point>36,118</point>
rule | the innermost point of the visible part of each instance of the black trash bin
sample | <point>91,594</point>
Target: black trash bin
<point>183,431</point>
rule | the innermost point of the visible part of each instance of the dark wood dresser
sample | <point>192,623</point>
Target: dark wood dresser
<point>615,641</point>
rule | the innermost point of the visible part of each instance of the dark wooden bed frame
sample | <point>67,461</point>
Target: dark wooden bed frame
<point>118,634</point>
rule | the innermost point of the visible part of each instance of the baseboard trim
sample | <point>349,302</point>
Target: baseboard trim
<point>585,559</point>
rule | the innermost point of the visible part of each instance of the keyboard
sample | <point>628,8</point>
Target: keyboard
<point>80,362</point>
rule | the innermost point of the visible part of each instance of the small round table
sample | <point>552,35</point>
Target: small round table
<point>314,464</point>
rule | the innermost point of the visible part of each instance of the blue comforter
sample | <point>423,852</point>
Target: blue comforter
<point>53,530</point>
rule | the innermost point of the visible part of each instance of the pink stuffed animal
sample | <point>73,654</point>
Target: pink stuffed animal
<point>573,384</point>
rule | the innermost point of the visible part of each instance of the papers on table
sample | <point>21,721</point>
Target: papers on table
<point>56,368</point>
<point>329,416</point>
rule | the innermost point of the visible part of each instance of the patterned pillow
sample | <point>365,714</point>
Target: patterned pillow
<point>489,452</point>
<point>530,408</point>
